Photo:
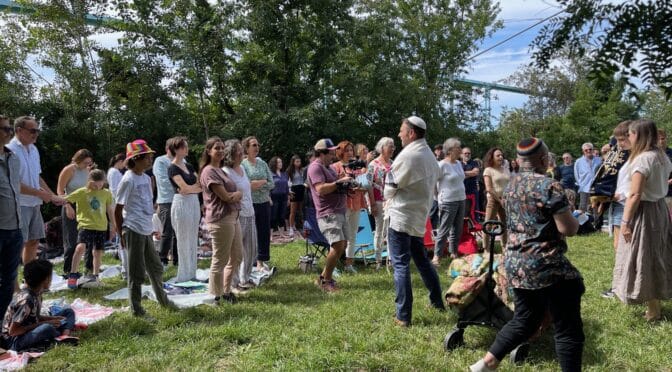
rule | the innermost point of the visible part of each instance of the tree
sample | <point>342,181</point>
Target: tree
<point>16,82</point>
<point>630,38</point>
<point>566,109</point>
<point>656,108</point>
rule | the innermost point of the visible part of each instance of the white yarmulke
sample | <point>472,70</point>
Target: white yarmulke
<point>417,121</point>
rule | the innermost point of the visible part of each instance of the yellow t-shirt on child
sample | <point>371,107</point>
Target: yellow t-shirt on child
<point>91,208</point>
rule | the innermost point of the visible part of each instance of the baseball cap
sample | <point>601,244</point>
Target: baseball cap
<point>325,144</point>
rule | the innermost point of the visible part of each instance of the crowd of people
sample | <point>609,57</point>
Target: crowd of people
<point>242,200</point>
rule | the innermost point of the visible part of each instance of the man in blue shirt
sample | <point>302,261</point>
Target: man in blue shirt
<point>584,172</point>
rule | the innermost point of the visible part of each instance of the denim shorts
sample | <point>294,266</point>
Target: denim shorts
<point>333,228</point>
<point>93,239</point>
<point>616,214</point>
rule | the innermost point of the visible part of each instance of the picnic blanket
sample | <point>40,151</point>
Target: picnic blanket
<point>85,312</point>
<point>12,361</point>
<point>184,299</point>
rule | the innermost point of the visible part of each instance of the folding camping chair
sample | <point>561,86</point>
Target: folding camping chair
<point>317,245</point>
<point>364,244</point>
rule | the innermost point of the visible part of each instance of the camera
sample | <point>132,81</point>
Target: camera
<point>344,187</point>
<point>356,164</point>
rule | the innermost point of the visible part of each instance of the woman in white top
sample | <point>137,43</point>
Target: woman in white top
<point>643,269</point>
<point>495,176</point>
<point>114,173</point>
<point>233,156</point>
<point>451,197</point>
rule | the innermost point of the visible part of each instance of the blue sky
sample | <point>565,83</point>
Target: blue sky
<point>503,60</point>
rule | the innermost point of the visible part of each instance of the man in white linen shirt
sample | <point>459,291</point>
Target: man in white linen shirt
<point>408,191</point>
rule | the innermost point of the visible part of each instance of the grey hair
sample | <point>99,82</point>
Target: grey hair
<point>450,143</point>
<point>382,143</point>
<point>230,147</point>
<point>21,121</point>
<point>587,145</point>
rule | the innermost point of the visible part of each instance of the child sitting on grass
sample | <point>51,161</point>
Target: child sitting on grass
<point>23,327</point>
<point>92,202</point>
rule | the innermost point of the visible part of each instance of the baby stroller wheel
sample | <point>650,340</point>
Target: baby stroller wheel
<point>454,339</point>
<point>519,354</point>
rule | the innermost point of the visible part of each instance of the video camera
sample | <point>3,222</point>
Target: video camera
<point>356,164</point>
<point>344,187</point>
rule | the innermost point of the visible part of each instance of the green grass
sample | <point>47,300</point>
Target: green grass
<point>288,324</point>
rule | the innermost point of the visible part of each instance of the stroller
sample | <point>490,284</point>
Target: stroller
<point>486,309</point>
<point>317,245</point>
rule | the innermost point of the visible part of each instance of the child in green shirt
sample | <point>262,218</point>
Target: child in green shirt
<point>93,202</point>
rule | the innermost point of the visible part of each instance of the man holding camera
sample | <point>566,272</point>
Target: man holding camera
<point>329,194</point>
<point>408,191</point>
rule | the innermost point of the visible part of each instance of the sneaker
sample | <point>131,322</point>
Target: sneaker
<point>240,291</point>
<point>480,366</point>
<point>246,286</point>
<point>328,286</point>
<point>608,293</point>
<point>89,281</point>
<point>350,269</point>
<point>401,323</point>
<point>291,231</point>
<point>228,297</point>
<point>72,280</point>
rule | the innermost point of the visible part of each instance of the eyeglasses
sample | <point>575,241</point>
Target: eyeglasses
<point>8,130</point>
<point>32,131</point>
<point>254,145</point>
<point>584,150</point>
<point>466,153</point>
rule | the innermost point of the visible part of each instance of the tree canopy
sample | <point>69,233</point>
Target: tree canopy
<point>630,38</point>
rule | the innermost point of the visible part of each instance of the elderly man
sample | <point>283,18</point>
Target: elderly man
<point>408,191</point>
<point>34,190</point>
<point>584,172</point>
<point>10,218</point>
<point>541,276</point>
<point>329,195</point>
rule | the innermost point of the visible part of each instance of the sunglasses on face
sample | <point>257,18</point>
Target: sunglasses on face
<point>254,145</point>
<point>8,130</point>
<point>32,131</point>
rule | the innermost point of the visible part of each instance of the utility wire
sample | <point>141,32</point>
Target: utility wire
<point>514,35</point>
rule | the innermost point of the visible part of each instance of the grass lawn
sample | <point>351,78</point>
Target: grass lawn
<point>288,324</point>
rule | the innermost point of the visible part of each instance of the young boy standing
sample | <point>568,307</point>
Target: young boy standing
<point>133,218</point>
<point>92,202</point>
<point>23,327</point>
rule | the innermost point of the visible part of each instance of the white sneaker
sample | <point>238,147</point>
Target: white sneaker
<point>480,366</point>
<point>291,231</point>
<point>350,269</point>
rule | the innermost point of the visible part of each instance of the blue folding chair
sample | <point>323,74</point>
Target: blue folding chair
<point>317,245</point>
<point>365,249</point>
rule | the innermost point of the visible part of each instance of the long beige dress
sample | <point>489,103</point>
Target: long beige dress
<point>643,269</point>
